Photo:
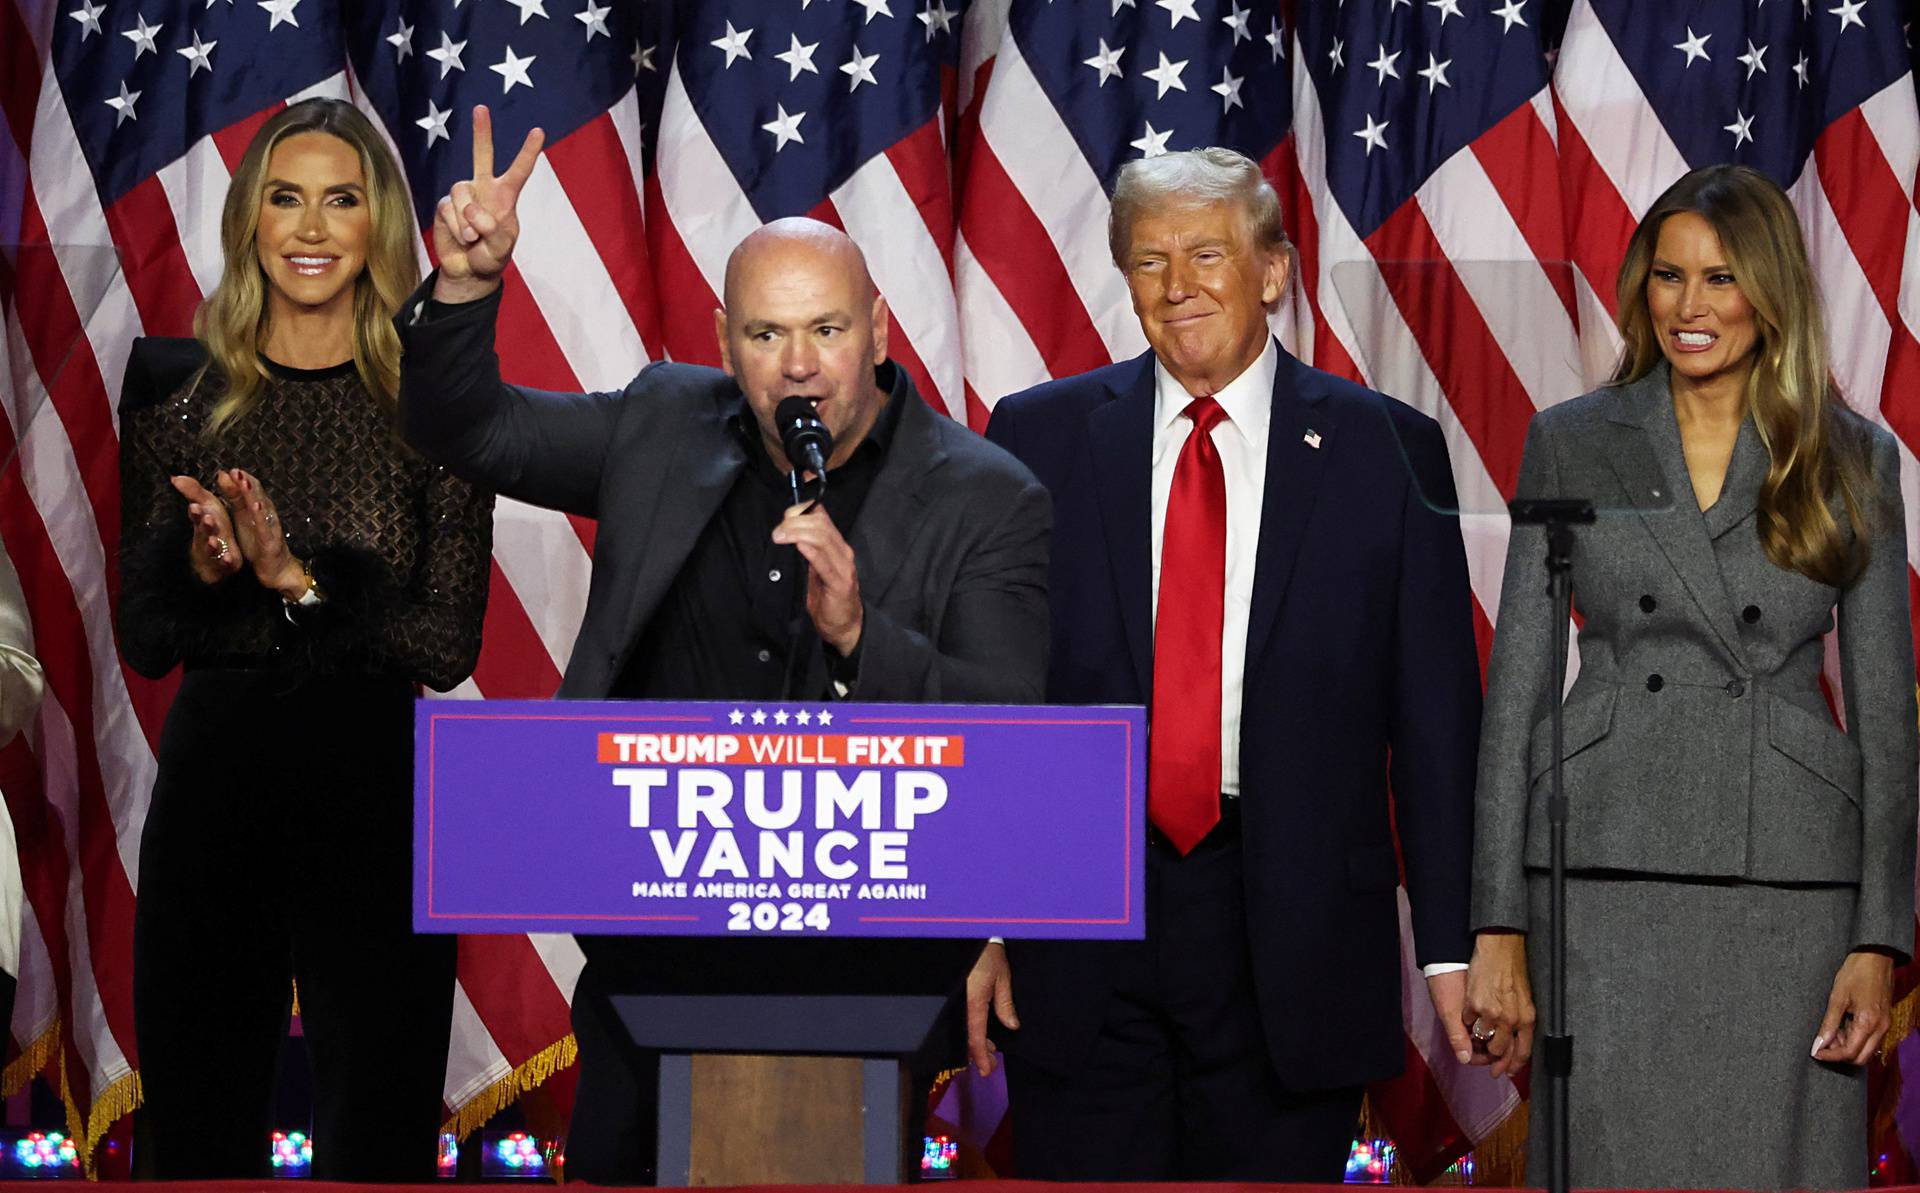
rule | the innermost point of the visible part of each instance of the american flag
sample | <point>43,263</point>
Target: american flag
<point>1459,179</point>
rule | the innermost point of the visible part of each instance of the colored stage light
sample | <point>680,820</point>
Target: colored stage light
<point>449,1162</point>
<point>292,1154</point>
<point>44,1154</point>
<point>517,1154</point>
<point>1370,1162</point>
<point>937,1157</point>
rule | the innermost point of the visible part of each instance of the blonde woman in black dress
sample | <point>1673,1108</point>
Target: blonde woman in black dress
<point>309,571</point>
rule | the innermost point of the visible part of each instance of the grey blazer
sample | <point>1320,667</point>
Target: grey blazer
<point>951,542</point>
<point>1697,741</point>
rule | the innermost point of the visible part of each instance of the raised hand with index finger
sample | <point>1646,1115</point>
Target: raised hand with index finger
<point>476,224</point>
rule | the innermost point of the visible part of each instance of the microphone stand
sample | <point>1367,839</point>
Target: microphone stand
<point>1558,517</point>
<point>797,622</point>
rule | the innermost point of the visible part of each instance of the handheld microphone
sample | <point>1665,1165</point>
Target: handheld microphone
<point>803,435</point>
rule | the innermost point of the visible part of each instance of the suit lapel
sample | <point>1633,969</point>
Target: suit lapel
<point>1295,468</point>
<point>1740,491</point>
<point>894,513</point>
<point>705,463</point>
<point>1120,438</point>
<point>1644,451</point>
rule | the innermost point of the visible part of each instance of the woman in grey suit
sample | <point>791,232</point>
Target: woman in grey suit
<point>1741,870</point>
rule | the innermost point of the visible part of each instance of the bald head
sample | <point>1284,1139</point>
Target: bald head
<point>802,319</point>
<point>797,239</point>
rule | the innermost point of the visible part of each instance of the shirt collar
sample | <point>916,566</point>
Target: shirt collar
<point>1247,399</point>
<point>891,378</point>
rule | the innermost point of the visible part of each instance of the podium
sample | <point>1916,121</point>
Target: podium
<point>796,1089</point>
<point>924,828</point>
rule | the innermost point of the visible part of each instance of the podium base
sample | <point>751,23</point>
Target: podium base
<point>728,1119</point>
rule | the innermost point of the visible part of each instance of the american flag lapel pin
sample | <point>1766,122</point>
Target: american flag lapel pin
<point>1311,439</point>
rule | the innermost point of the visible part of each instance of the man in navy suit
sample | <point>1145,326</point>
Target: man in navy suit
<point>1254,550</point>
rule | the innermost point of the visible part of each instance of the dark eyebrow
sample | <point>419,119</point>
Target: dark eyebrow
<point>1663,263</point>
<point>282,184</point>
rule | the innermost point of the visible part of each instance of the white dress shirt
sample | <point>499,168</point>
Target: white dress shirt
<point>1241,440</point>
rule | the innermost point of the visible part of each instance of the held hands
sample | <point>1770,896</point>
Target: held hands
<point>989,985</point>
<point>1499,1012</point>
<point>1858,1011</point>
<point>476,224</point>
<point>833,583</point>
<point>261,537</point>
<point>212,551</point>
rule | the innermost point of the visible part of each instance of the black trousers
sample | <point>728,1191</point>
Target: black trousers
<point>277,849</point>
<point>1178,1085</point>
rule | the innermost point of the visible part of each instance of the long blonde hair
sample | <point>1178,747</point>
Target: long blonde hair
<point>232,322</point>
<point>1789,392</point>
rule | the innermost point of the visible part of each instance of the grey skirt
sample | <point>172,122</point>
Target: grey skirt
<point>1693,1006</point>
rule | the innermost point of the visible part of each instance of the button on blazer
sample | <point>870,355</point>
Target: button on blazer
<point>1698,741</point>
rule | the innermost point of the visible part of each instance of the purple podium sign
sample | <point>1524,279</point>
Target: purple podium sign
<point>793,819</point>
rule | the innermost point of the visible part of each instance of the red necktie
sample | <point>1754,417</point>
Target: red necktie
<point>1183,729</point>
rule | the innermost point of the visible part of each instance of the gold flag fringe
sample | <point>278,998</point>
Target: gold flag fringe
<point>109,1106</point>
<point>32,1059</point>
<point>1499,1160</point>
<point>506,1091</point>
<point>1900,1024</point>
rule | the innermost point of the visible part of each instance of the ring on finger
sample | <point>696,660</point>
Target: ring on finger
<point>219,547</point>
<point>270,519</point>
<point>1481,1032</point>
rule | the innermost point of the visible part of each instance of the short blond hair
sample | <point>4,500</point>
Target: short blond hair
<point>1195,178</point>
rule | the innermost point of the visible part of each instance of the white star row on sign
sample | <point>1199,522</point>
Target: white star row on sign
<point>780,717</point>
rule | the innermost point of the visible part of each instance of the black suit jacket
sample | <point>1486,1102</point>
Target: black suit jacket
<point>951,544</point>
<point>1360,707</point>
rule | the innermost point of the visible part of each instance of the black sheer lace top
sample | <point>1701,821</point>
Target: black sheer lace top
<point>399,546</point>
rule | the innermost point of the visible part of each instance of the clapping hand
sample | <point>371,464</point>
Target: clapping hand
<point>476,224</point>
<point>212,552</point>
<point>261,536</point>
